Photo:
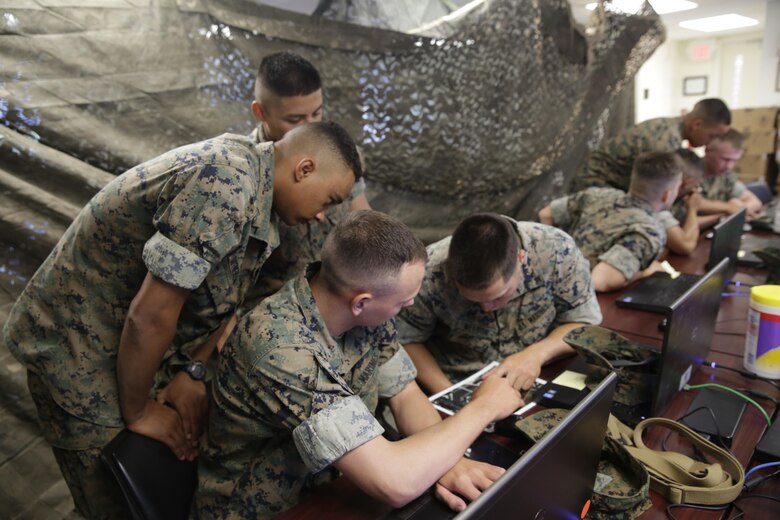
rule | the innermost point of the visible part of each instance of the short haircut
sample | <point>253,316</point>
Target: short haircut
<point>314,137</point>
<point>654,173</point>
<point>732,137</point>
<point>712,111</point>
<point>482,247</point>
<point>693,165</point>
<point>285,74</point>
<point>338,140</point>
<point>366,251</point>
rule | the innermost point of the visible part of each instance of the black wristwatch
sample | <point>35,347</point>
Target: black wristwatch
<point>196,370</point>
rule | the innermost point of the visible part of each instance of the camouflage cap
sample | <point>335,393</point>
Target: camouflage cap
<point>622,487</point>
<point>608,351</point>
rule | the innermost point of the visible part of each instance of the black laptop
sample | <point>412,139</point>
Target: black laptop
<point>688,333</point>
<point>552,479</point>
<point>657,292</point>
<point>751,243</point>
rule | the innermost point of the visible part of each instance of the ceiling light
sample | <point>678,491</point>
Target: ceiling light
<point>659,6</point>
<point>723,22</point>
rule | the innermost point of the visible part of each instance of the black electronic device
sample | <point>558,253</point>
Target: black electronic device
<point>552,395</point>
<point>769,445</point>
<point>658,291</point>
<point>715,412</point>
<point>688,332</point>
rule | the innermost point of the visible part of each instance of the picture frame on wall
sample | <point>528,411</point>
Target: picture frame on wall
<point>695,86</point>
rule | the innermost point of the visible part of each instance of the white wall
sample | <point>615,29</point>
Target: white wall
<point>770,57</point>
<point>742,70</point>
<point>664,74</point>
<point>654,83</point>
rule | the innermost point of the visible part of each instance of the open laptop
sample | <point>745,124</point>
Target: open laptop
<point>688,333</point>
<point>657,292</point>
<point>751,243</point>
<point>552,479</point>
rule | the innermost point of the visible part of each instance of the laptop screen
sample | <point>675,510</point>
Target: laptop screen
<point>688,334</point>
<point>555,477</point>
<point>726,237</point>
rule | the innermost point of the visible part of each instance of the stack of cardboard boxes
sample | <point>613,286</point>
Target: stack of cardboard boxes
<point>761,143</point>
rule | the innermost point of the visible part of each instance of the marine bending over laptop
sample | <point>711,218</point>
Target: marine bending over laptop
<point>497,290</point>
<point>618,232</point>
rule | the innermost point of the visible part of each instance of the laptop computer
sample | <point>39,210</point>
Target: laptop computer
<point>552,479</point>
<point>751,243</point>
<point>657,292</point>
<point>688,333</point>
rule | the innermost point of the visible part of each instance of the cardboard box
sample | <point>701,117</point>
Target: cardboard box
<point>752,167</point>
<point>760,141</point>
<point>753,119</point>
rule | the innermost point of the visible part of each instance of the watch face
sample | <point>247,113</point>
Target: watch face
<point>196,370</point>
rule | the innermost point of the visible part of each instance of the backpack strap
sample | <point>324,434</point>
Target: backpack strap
<point>679,478</point>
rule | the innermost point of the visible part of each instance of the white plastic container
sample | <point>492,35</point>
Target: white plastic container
<point>762,342</point>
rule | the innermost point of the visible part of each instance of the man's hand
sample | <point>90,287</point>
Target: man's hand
<point>498,395</point>
<point>188,397</point>
<point>162,423</point>
<point>467,479</point>
<point>521,369</point>
<point>693,202</point>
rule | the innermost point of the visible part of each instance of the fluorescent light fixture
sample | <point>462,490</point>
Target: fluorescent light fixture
<point>723,22</point>
<point>659,6</point>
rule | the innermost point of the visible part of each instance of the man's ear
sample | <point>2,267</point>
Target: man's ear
<point>666,197</point>
<point>359,302</point>
<point>520,256</point>
<point>258,111</point>
<point>304,168</point>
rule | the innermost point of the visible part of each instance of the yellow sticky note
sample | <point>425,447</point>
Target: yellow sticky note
<point>571,379</point>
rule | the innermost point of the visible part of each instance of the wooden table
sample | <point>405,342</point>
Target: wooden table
<point>342,500</point>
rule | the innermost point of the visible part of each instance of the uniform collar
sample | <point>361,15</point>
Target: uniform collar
<point>265,223</point>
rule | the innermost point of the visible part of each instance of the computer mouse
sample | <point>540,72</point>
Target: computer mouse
<point>662,324</point>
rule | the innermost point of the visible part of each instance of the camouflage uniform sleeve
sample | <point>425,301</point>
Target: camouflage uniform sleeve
<point>631,253</point>
<point>738,188</point>
<point>201,222</point>
<point>575,296</point>
<point>560,212</point>
<point>326,418</point>
<point>334,431</point>
<point>666,219</point>
<point>396,374</point>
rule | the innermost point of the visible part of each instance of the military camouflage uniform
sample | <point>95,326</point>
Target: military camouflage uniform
<point>289,399</point>
<point>198,217</point>
<point>667,219</point>
<point>611,226</point>
<point>722,187</point>
<point>611,163</point>
<point>555,289</point>
<point>299,245</point>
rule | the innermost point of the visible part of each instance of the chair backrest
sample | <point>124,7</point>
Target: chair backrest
<point>156,485</point>
<point>761,190</point>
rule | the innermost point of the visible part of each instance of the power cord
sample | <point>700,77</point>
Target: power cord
<point>743,373</point>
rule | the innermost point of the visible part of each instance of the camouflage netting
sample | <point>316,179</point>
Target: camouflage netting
<point>489,111</point>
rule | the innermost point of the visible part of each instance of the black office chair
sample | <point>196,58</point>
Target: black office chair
<point>156,485</point>
<point>761,190</point>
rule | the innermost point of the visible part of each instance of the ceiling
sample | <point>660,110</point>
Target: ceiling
<point>750,8</point>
